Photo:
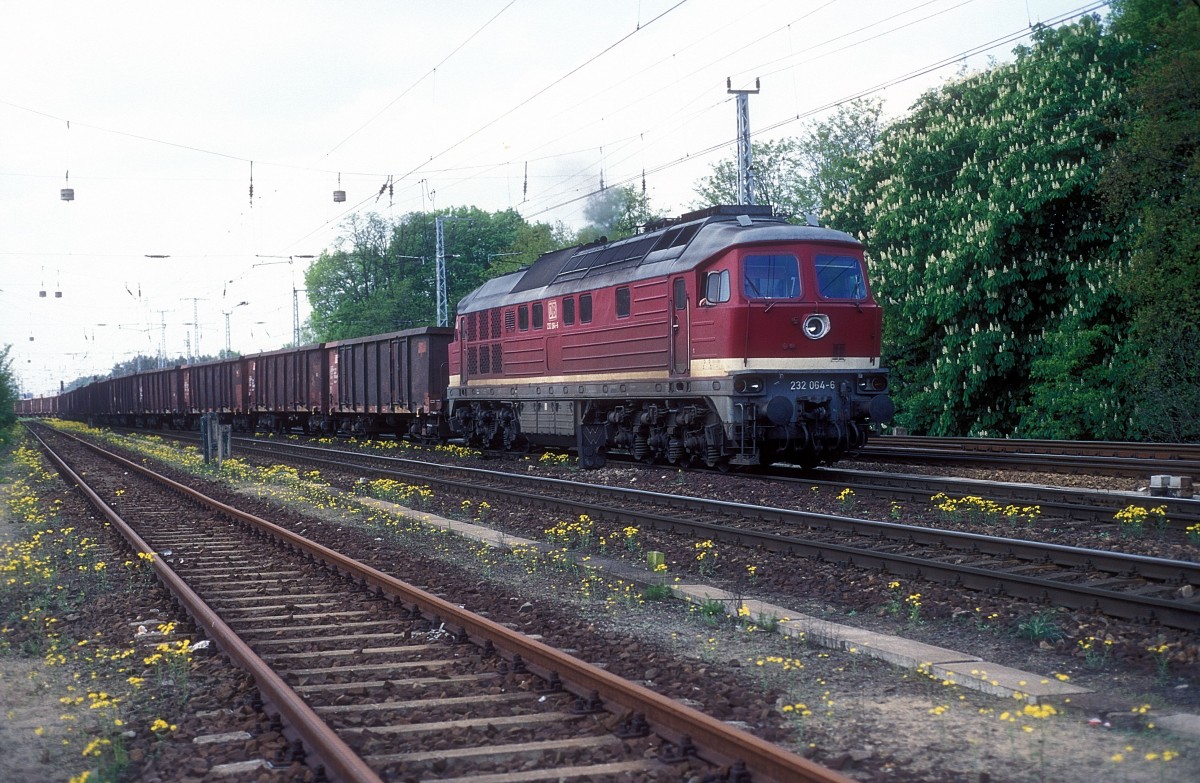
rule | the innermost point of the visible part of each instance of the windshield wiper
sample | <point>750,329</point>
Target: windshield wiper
<point>759,294</point>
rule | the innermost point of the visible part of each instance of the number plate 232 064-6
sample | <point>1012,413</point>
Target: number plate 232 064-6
<point>814,385</point>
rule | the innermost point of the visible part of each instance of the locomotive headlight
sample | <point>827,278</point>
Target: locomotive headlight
<point>744,385</point>
<point>816,326</point>
<point>872,384</point>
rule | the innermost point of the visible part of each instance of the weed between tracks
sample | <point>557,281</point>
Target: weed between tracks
<point>982,733</point>
<point>112,691</point>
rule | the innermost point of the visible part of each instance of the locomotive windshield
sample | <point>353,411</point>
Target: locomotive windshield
<point>840,277</point>
<point>771,277</point>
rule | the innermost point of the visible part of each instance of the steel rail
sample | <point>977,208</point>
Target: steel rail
<point>1167,452</point>
<point>329,750</point>
<point>723,744</point>
<point>962,452</point>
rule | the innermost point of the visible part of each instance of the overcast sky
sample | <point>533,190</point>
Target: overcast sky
<point>161,116</point>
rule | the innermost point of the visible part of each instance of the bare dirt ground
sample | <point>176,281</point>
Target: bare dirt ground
<point>31,733</point>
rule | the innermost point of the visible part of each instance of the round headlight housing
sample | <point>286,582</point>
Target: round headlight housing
<point>815,326</point>
<point>747,385</point>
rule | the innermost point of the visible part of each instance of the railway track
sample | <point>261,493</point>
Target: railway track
<point>1099,457</point>
<point>1068,503</point>
<point>1121,585</point>
<point>378,679</point>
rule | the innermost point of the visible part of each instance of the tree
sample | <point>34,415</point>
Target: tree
<point>778,178</point>
<point>832,153</point>
<point>990,248</point>
<point>799,176</point>
<point>9,394</point>
<point>532,241</point>
<point>137,364</point>
<point>616,213</point>
<point>351,291</point>
<point>1152,188</point>
<point>381,276</point>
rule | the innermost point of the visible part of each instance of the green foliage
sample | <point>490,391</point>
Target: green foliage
<point>1071,392</point>
<point>382,275</point>
<point>138,364</point>
<point>833,151</point>
<point>800,175</point>
<point>777,179</point>
<point>991,249</point>
<point>360,288</point>
<point>9,394</point>
<point>1153,185</point>
<point>1040,626</point>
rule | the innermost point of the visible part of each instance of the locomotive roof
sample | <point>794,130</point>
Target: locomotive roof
<point>674,246</point>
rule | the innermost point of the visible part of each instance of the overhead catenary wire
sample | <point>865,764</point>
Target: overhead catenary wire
<point>566,188</point>
<point>682,120</point>
<point>487,166</point>
<point>805,114</point>
<point>564,200</point>
<point>649,96</point>
<point>422,78</point>
<point>640,27</point>
<point>545,89</point>
<point>941,63</point>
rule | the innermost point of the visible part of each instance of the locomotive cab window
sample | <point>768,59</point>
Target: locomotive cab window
<point>537,315</point>
<point>585,308</point>
<point>568,310</point>
<point>771,277</point>
<point>840,277</point>
<point>716,287</point>
<point>523,318</point>
<point>623,302</point>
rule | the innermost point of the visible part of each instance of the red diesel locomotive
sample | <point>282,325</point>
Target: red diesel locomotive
<point>726,337</point>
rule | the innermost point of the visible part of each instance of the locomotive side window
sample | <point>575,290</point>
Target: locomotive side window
<point>840,277</point>
<point>771,277</point>
<point>716,287</point>
<point>623,302</point>
<point>523,318</point>
<point>537,315</point>
<point>568,310</point>
<point>679,294</point>
<point>585,308</point>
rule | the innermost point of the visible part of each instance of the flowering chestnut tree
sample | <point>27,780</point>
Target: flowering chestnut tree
<point>991,251</point>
